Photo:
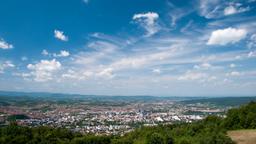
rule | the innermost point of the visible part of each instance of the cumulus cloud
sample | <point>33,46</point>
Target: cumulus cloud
<point>60,35</point>
<point>226,36</point>
<point>5,45</point>
<point>63,53</point>
<point>43,71</point>
<point>5,65</point>
<point>148,22</point>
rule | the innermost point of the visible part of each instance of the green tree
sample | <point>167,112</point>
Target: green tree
<point>155,138</point>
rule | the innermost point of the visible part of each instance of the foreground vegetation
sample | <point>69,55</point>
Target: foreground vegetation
<point>211,130</point>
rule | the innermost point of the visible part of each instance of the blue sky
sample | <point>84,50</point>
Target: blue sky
<point>124,47</point>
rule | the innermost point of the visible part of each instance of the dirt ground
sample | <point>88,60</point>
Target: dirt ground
<point>243,136</point>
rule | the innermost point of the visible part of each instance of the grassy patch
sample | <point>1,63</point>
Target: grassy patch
<point>243,136</point>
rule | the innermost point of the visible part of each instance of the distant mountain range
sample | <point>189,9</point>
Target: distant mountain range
<point>79,96</point>
<point>233,101</point>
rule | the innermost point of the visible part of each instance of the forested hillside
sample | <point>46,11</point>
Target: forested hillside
<point>211,130</point>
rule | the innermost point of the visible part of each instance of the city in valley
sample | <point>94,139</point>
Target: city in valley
<point>109,114</point>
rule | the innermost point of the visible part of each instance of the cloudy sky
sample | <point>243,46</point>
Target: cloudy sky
<point>129,47</point>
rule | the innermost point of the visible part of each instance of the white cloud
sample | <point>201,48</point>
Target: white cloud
<point>70,74</point>
<point>232,65</point>
<point>157,71</point>
<point>87,73</point>
<point>101,51</point>
<point>186,27</point>
<point>233,73</point>
<point>209,8</point>
<point>45,52</point>
<point>60,35</point>
<point>230,10</point>
<point>140,61</point>
<point>203,66</point>
<point>23,75</point>
<point>176,13</point>
<point>63,53</point>
<point>226,36</point>
<point>252,54</point>
<point>148,22</point>
<point>5,65</point>
<point>189,75</point>
<point>252,42</point>
<point>103,73</point>
<point>197,76</point>
<point>234,9</point>
<point>5,45</point>
<point>109,59</point>
<point>111,55</point>
<point>106,73</point>
<point>43,71</point>
<point>78,75</point>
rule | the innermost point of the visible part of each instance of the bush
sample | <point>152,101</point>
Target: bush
<point>241,118</point>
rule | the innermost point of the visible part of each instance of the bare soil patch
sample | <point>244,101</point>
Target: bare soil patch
<point>243,136</point>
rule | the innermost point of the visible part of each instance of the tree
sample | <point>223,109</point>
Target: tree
<point>155,138</point>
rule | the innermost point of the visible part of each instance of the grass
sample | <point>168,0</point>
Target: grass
<point>243,136</point>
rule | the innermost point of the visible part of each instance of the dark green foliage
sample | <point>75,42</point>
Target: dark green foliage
<point>169,140</point>
<point>211,130</point>
<point>208,131</point>
<point>241,118</point>
<point>14,134</point>
<point>92,140</point>
<point>16,117</point>
<point>155,138</point>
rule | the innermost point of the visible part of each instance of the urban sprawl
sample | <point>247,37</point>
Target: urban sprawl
<point>106,119</point>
